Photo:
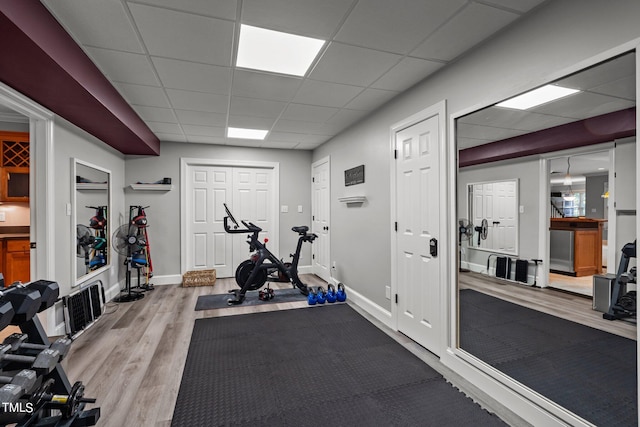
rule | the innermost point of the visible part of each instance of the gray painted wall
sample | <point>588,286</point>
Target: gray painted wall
<point>14,127</point>
<point>164,211</point>
<point>594,204</point>
<point>535,50</point>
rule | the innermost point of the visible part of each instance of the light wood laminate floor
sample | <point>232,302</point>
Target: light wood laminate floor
<point>132,359</point>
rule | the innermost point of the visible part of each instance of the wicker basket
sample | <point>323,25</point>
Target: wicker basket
<point>199,278</point>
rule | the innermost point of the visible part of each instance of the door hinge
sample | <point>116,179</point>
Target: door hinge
<point>396,226</point>
<point>615,175</point>
<point>313,179</point>
<point>313,218</point>
<point>395,154</point>
<point>313,256</point>
<point>396,298</point>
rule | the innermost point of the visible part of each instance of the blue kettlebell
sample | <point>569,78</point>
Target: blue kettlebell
<point>341,295</point>
<point>312,298</point>
<point>321,295</point>
<point>331,293</point>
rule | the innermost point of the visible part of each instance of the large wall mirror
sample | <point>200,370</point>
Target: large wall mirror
<point>90,216</point>
<point>549,341</point>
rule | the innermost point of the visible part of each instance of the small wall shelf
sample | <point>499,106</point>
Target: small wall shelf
<point>352,200</point>
<point>151,187</point>
<point>91,186</point>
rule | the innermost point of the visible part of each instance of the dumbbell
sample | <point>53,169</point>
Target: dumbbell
<point>6,314</point>
<point>18,341</point>
<point>43,363</point>
<point>49,292</point>
<point>15,387</point>
<point>24,301</point>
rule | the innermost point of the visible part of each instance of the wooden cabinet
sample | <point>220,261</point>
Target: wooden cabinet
<point>14,167</point>
<point>587,243</point>
<point>16,260</point>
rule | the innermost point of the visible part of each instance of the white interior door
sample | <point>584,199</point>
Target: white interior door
<point>249,194</point>
<point>321,250</point>
<point>418,219</point>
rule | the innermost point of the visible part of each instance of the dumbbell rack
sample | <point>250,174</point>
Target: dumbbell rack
<point>52,386</point>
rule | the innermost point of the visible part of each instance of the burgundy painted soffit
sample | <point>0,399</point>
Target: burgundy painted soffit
<point>41,61</point>
<point>594,130</point>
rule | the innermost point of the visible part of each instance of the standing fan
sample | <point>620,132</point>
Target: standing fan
<point>128,243</point>
<point>84,243</point>
<point>465,232</point>
<point>483,230</point>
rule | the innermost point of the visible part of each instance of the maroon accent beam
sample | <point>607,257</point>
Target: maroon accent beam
<point>40,60</point>
<point>594,130</point>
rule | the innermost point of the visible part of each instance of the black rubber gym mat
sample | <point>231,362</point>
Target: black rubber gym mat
<point>590,372</point>
<point>320,366</point>
<point>208,302</point>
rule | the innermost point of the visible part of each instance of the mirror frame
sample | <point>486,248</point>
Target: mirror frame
<point>467,363</point>
<point>516,213</point>
<point>77,281</point>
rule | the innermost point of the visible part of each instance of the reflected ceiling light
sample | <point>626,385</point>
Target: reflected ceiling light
<point>246,133</point>
<point>536,97</point>
<point>277,52</point>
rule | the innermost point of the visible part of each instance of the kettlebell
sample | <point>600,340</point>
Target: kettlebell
<point>341,295</point>
<point>331,293</point>
<point>312,298</point>
<point>321,295</point>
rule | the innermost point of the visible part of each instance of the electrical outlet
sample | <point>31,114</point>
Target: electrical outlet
<point>299,208</point>
<point>521,209</point>
<point>3,216</point>
<point>284,209</point>
<point>387,292</point>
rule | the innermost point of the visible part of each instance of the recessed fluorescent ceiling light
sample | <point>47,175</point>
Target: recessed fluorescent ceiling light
<point>537,97</point>
<point>277,52</point>
<point>246,133</point>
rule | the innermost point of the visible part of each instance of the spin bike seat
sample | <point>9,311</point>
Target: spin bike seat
<point>302,229</point>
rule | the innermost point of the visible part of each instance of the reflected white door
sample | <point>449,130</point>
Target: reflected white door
<point>320,218</point>
<point>418,272</point>
<point>249,194</point>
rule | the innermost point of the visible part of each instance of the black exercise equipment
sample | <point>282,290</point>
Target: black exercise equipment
<point>17,385</point>
<point>253,273</point>
<point>19,303</point>
<point>127,241</point>
<point>18,342</point>
<point>623,303</point>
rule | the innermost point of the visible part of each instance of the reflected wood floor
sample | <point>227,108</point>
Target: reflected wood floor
<point>133,357</point>
<point>561,304</point>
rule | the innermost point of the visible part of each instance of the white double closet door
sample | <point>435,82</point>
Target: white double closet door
<point>250,194</point>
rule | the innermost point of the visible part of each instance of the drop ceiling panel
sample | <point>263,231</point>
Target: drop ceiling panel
<point>256,107</point>
<point>171,137</point>
<point>345,118</point>
<point>218,8</point>
<point>473,24</point>
<point>601,74</point>
<point>199,139</point>
<point>251,122</point>
<point>311,18</point>
<point>353,65</point>
<point>326,94</point>
<point>192,76</point>
<point>310,113</point>
<point>298,126</point>
<point>124,67</point>
<point>210,102</point>
<point>170,128</point>
<point>279,144</point>
<point>518,5</point>
<point>143,95</point>
<point>155,114</point>
<point>395,26</point>
<point>198,130</point>
<point>624,88</point>
<point>307,146</point>
<point>370,99</point>
<point>97,23</point>
<point>507,118</point>
<point>406,74</point>
<point>188,117</point>
<point>266,86</point>
<point>584,104</point>
<point>185,36</point>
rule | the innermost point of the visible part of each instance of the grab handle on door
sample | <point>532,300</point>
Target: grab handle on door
<point>433,247</point>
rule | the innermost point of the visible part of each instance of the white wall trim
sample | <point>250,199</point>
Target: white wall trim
<point>167,279</point>
<point>439,109</point>
<point>186,162</point>
<point>373,309</point>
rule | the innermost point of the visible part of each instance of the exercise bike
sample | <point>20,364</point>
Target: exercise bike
<point>623,303</point>
<point>262,265</point>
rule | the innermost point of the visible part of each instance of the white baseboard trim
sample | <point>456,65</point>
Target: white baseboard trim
<point>305,269</point>
<point>373,309</point>
<point>168,279</point>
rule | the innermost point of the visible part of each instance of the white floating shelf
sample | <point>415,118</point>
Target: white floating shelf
<point>353,199</point>
<point>91,186</point>
<point>151,187</point>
